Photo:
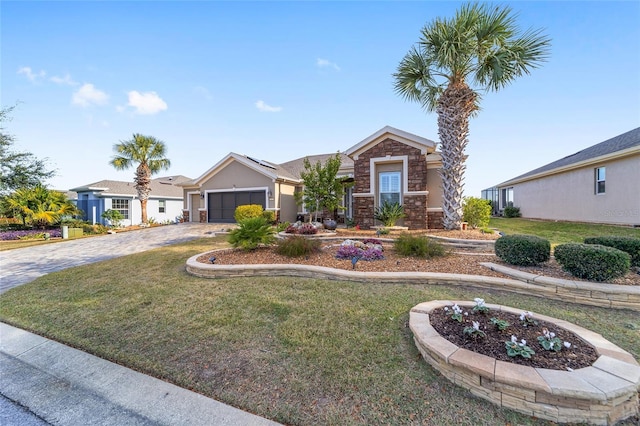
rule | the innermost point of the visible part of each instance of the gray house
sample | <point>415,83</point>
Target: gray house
<point>164,203</point>
<point>600,184</point>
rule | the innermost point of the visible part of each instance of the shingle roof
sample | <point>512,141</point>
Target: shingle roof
<point>295,167</point>
<point>621,142</point>
<point>160,187</point>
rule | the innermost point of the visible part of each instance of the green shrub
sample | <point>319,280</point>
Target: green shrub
<point>476,212</point>
<point>626,244</point>
<point>87,228</point>
<point>389,213</point>
<point>282,226</point>
<point>418,246</point>
<point>297,246</point>
<point>511,211</point>
<point>592,262</point>
<point>247,211</point>
<point>523,250</point>
<point>270,216</point>
<point>252,232</point>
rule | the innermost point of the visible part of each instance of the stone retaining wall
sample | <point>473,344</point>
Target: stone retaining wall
<point>605,295</point>
<point>602,394</point>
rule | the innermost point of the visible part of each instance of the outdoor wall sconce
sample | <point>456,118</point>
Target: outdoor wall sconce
<point>202,195</point>
<point>270,194</point>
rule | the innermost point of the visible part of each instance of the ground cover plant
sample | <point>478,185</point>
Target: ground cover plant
<point>298,351</point>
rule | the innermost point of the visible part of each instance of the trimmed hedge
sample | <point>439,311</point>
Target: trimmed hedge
<point>523,250</point>
<point>592,262</point>
<point>626,244</point>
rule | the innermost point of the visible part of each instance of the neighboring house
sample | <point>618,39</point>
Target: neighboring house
<point>164,203</point>
<point>599,184</point>
<point>390,164</point>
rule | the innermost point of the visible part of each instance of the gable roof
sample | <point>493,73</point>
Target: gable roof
<point>166,186</point>
<point>273,171</point>
<point>625,144</point>
<point>424,144</point>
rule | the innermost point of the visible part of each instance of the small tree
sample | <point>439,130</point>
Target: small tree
<point>476,212</point>
<point>114,217</point>
<point>322,188</point>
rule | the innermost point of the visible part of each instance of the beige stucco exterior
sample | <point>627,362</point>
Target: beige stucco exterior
<point>571,196</point>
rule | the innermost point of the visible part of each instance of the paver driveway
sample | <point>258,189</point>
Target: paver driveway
<point>23,265</point>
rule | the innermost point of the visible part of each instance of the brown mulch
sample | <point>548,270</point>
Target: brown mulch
<point>579,355</point>
<point>454,263</point>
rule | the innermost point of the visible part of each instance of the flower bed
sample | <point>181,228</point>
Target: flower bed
<point>602,393</point>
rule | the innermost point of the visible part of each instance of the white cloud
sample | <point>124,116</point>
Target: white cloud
<point>66,80</point>
<point>262,106</point>
<point>146,103</point>
<point>32,76</point>
<point>203,91</point>
<point>324,63</point>
<point>87,94</point>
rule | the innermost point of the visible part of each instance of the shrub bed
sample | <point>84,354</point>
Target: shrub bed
<point>592,261</point>
<point>523,250</point>
<point>626,244</point>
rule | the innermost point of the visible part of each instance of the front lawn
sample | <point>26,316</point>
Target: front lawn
<point>559,232</point>
<point>298,351</point>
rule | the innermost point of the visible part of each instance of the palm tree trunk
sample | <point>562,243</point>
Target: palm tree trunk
<point>143,186</point>
<point>455,106</point>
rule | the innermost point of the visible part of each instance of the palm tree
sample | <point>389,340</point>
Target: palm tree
<point>39,205</point>
<point>149,153</point>
<point>480,46</point>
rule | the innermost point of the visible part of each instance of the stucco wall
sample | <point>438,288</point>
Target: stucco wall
<point>239,175</point>
<point>571,195</point>
<point>434,186</point>
<point>288,206</point>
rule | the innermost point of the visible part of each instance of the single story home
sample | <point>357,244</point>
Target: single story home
<point>390,164</point>
<point>600,184</point>
<point>164,203</point>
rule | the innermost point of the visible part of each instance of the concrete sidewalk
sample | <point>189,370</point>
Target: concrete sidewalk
<point>65,386</point>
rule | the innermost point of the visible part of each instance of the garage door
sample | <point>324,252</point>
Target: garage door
<point>222,205</point>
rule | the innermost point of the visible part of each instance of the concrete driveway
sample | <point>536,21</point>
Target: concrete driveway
<point>23,265</point>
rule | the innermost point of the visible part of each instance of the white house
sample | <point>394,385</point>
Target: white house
<point>164,203</point>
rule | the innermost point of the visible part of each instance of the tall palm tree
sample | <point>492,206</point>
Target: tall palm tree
<point>479,49</point>
<point>149,154</point>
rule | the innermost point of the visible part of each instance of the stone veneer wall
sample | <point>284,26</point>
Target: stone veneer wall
<point>435,220</point>
<point>203,216</point>
<point>415,205</point>
<point>185,215</point>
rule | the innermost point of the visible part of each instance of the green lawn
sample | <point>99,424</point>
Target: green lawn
<point>298,351</point>
<point>559,232</point>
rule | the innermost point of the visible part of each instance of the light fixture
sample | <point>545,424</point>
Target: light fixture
<point>202,195</point>
<point>270,194</point>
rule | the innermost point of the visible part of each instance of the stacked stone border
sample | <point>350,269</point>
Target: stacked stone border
<point>601,394</point>
<point>586,293</point>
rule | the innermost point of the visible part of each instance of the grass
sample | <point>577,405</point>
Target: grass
<point>298,351</point>
<point>560,232</point>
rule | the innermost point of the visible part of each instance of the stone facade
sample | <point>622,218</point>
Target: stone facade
<point>435,220</point>
<point>185,215</point>
<point>415,206</point>
<point>203,216</point>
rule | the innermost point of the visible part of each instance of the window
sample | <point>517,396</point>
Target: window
<point>162,206</point>
<point>122,205</point>
<point>507,197</point>
<point>390,187</point>
<point>600,178</point>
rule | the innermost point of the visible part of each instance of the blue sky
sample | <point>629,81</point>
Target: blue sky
<point>280,80</point>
